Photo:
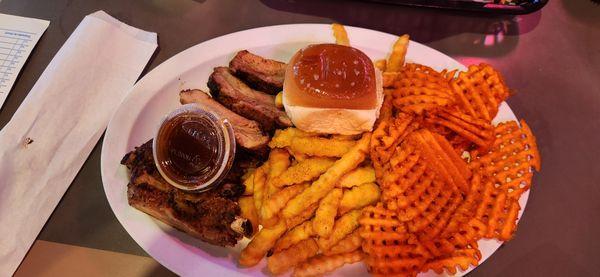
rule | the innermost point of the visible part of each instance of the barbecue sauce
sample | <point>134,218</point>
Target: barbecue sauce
<point>331,76</point>
<point>187,149</point>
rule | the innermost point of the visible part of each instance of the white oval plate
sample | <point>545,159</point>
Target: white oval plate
<point>158,93</point>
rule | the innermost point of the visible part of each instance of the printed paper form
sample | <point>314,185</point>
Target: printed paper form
<point>18,36</point>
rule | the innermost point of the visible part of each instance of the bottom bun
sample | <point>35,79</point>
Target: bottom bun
<point>332,121</point>
<point>336,121</point>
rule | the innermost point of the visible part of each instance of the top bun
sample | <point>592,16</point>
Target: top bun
<point>332,89</point>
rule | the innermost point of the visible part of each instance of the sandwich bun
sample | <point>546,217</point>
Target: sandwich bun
<point>332,89</point>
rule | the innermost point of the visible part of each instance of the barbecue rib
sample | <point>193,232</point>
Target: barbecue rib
<point>212,216</point>
<point>252,104</point>
<point>259,73</point>
<point>247,132</point>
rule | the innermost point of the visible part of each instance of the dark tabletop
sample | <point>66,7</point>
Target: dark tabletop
<point>551,59</point>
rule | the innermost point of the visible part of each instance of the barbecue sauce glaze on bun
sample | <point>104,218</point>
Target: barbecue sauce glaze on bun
<point>332,89</point>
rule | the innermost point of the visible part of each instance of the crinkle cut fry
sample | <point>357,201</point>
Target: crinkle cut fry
<point>324,219</point>
<point>259,185</point>
<point>344,226</point>
<point>294,235</point>
<point>298,141</point>
<point>348,244</point>
<point>304,171</point>
<point>396,59</point>
<point>302,217</point>
<point>320,265</point>
<point>380,64</point>
<point>340,34</point>
<point>359,197</point>
<point>389,78</point>
<point>248,181</point>
<point>319,188</point>
<point>359,176</point>
<point>281,262</point>
<point>274,203</point>
<point>279,161</point>
<point>261,244</point>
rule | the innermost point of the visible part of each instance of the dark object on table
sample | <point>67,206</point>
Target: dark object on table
<point>489,6</point>
<point>245,101</point>
<point>212,216</point>
<point>258,72</point>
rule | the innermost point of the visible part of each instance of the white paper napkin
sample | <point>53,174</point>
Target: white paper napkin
<point>54,130</point>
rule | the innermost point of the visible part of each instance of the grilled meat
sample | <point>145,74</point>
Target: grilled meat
<point>247,132</point>
<point>212,216</point>
<point>259,73</point>
<point>252,104</point>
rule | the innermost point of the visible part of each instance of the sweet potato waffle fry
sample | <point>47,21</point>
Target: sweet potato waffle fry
<point>511,160</point>
<point>442,159</point>
<point>389,248</point>
<point>402,172</point>
<point>462,258</point>
<point>389,132</point>
<point>419,88</point>
<point>479,91</point>
<point>429,225</point>
<point>448,177</point>
<point>477,131</point>
<point>498,211</point>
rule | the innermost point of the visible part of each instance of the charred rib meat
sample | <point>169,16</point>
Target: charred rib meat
<point>252,104</point>
<point>247,132</point>
<point>259,73</point>
<point>208,216</point>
